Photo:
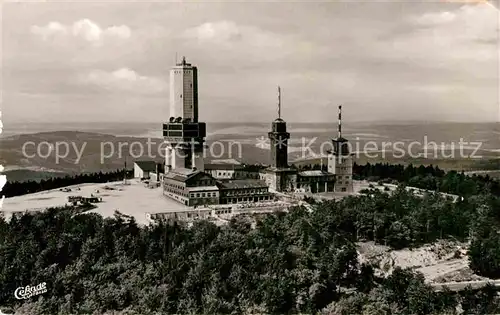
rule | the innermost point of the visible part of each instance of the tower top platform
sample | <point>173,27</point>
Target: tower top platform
<point>183,63</point>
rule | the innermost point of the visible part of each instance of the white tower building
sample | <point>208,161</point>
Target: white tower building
<point>185,136</point>
<point>184,91</point>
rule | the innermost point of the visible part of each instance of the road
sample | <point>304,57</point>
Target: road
<point>459,286</point>
<point>479,172</point>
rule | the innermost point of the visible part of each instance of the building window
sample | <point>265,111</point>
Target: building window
<point>202,195</point>
<point>197,195</point>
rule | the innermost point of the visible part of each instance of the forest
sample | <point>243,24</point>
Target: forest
<point>294,262</point>
<point>287,262</point>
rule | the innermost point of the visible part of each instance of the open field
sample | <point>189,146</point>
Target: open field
<point>490,173</point>
<point>441,262</point>
<point>134,200</point>
<point>360,185</point>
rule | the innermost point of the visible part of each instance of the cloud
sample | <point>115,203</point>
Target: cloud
<point>432,19</point>
<point>460,39</point>
<point>123,79</point>
<point>228,32</point>
<point>477,22</point>
<point>222,44</point>
<point>84,29</point>
<point>222,31</point>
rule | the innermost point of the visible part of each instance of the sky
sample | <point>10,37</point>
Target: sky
<point>383,61</point>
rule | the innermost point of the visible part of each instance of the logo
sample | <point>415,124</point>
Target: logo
<point>26,292</point>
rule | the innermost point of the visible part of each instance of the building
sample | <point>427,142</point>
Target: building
<point>197,188</point>
<point>316,181</point>
<point>184,134</point>
<point>340,161</point>
<point>190,187</point>
<point>187,179</point>
<point>279,176</point>
<point>243,190</point>
<point>184,91</point>
<point>191,182</point>
<point>223,171</point>
<point>143,169</point>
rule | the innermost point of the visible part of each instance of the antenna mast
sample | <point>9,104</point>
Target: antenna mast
<point>279,102</point>
<point>340,122</point>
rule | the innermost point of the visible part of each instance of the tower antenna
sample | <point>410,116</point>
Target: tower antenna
<point>340,122</point>
<point>175,58</point>
<point>279,102</point>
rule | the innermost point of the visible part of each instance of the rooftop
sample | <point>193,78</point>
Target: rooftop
<point>314,173</point>
<point>203,188</point>
<point>183,62</point>
<point>243,183</point>
<point>273,169</point>
<point>223,166</point>
<point>148,166</point>
<point>181,174</point>
<point>341,139</point>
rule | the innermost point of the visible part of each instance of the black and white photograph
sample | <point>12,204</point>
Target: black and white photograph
<point>333,157</point>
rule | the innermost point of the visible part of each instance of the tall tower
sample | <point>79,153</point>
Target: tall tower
<point>279,176</point>
<point>340,160</point>
<point>184,91</point>
<point>279,139</point>
<point>184,135</point>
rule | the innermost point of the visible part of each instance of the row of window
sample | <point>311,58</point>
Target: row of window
<point>174,186</point>
<point>177,192</point>
<point>203,195</point>
<point>224,173</point>
<point>345,183</point>
<point>245,199</point>
<point>176,196</point>
<point>245,192</point>
<point>204,183</point>
<point>314,179</point>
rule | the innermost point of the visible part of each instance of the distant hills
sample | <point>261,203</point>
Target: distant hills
<point>94,152</point>
<point>104,150</point>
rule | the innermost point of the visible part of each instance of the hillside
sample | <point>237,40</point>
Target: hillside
<point>93,152</point>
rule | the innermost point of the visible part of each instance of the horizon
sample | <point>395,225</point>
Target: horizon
<point>333,122</point>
